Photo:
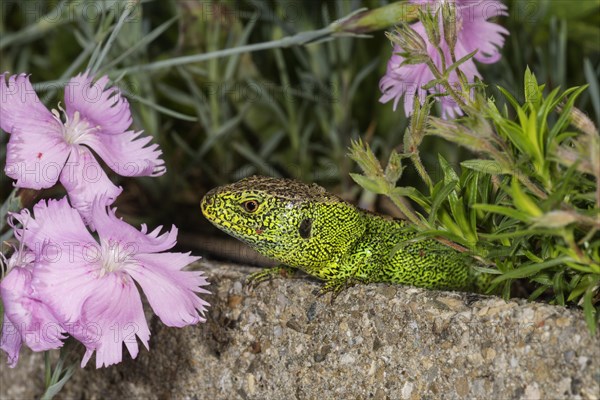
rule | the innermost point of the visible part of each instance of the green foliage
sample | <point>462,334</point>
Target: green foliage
<point>528,207</point>
<point>55,379</point>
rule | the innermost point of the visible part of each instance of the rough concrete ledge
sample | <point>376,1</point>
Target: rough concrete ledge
<point>279,341</point>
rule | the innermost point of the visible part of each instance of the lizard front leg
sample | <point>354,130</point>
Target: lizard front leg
<point>338,285</point>
<point>269,273</point>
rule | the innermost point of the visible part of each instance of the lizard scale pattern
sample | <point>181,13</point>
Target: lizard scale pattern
<point>305,227</point>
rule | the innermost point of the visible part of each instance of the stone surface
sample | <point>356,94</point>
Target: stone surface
<point>279,341</point>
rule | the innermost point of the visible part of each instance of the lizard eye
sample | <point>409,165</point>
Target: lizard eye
<point>250,205</point>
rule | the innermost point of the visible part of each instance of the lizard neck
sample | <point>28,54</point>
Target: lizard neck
<point>315,236</point>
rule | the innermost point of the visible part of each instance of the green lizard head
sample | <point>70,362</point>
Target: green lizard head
<point>297,224</point>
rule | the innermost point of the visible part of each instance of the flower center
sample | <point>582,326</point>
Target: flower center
<point>114,257</point>
<point>76,129</point>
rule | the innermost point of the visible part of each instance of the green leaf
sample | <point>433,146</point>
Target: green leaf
<point>433,83</point>
<point>513,132</point>
<point>538,292</point>
<point>372,185</point>
<point>559,286</point>
<point>394,168</point>
<point>525,271</point>
<point>531,88</point>
<point>448,223</point>
<point>440,197</point>
<point>406,191</point>
<point>233,61</point>
<point>414,194</point>
<point>515,234</point>
<point>139,45</point>
<point>592,80</point>
<point>543,279</point>
<point>487,270</point>
<point>462,60</point>
<point>11,204</point>
<point>472,194</point>
<point>449,173</point>
<point>588,281</point>
<point>490,167</point>
<point>565,115</point>
<point>445,234</point>
<point>511,99</point>
<point>459,215</point>
<point>159,108</point>
<point>529,131</point>
<point>55,388</point>
<point>522,201</point>
<point>509,212</point>
<point>547,106</point>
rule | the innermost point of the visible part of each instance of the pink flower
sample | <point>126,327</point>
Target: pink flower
<point>26,318</point>
<point>43,148</point>
<point>90,285</point>
<point>474,32</point>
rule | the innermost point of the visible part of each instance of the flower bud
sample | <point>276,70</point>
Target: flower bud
<point>380,18</point>
<point>414,48</point>
<point>432,26</point>
<point>450,24</point>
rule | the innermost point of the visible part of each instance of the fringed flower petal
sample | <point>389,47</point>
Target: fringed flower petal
<point>109,226</point>
<point>10,341</point>
<point>171,292</point>
<point>40,330</point>
<point>101,105</point>
<point>129,153</point>
<point>27,318</point>
<point>112,315</point>
<point>53,221</point>
<point>35,152</point>
<point>21,110</point>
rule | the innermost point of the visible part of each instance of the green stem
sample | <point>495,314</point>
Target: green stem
<point>416,160</point>
<point>298,39</point>
<point>47,369</point>
<point>582,258</point>
<point>444,81</point>
<point>442,56</point>
<point>113,36</point>
<point>531,186</point>
<point>398,201</point>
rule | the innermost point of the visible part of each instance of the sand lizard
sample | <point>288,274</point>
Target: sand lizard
<point>305,227</point>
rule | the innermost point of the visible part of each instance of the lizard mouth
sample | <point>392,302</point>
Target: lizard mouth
<point>216,211</point>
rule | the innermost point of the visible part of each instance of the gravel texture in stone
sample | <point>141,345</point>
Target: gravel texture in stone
<point>280,341</point>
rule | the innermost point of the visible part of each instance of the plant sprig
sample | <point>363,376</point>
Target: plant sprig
<point>528,205</point>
